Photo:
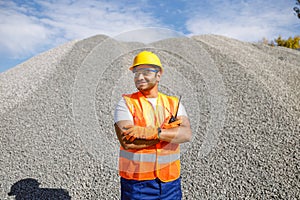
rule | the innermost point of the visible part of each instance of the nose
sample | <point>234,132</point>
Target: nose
<point>139,76</point>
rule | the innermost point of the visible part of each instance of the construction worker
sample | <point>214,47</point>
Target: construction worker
<point>149,160</point>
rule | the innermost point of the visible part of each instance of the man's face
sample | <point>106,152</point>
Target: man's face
<point>146,77</point>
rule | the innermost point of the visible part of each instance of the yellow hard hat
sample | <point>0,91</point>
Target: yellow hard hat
<point>146,58</point>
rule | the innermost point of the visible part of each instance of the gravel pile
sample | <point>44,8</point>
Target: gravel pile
<point>56,116</point>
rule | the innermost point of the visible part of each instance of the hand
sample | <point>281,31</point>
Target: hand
<point>174,124</point>
<point>137,132</point>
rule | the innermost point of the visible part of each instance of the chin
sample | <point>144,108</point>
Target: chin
<point>142,89</point>
<point>145,87</point>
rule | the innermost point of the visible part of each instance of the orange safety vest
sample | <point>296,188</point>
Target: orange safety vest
<point>158,161</point>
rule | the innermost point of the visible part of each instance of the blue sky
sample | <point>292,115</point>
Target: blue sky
<point>30,27</point>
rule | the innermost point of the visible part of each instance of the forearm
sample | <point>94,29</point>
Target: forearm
<point>137,143</point>
<point>180,134</point>
<point>140,144</point>
<point>176,135</point>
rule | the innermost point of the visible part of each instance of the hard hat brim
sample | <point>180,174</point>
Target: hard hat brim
<point>133,66</point>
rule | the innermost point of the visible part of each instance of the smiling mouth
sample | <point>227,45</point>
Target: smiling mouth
<point>139,83</point>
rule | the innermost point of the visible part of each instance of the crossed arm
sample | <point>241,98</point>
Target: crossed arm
<point>178,135</point>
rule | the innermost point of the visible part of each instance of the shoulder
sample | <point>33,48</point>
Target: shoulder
<point>168,96</point>
<point>121,105</point>
<point>171,99</point>
<point>133,95</point>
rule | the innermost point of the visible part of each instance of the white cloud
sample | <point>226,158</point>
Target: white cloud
<point>28,28</point>
<point>244,20</point>
<point>80,19</point>
<point>225,28</point>
<point>20,35</point>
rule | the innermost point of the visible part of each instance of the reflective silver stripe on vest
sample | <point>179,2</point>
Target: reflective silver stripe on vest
<point>144,157</point>
<point>138,156</point>
<point>168,158</point>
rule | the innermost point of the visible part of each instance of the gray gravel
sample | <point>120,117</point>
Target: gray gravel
<point>56,115</point>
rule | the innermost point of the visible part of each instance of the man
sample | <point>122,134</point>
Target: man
<point>149,160</point>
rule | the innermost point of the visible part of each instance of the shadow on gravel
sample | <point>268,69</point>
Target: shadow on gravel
<point>26,189</point>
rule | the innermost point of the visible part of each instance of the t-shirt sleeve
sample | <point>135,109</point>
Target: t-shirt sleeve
<point>122,112</point>
<point>181,110</point>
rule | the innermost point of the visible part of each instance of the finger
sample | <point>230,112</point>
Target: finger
<point>179,121</point>
<point>128,131</point>
<point>127,138</point>
<point>166,126</point>
<point>124,138</point>
<point>171,125</point>
<point>132,139</point>
<point>167,119</point>
<point>175,125</point>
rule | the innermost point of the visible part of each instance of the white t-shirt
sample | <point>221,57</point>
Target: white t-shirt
<point>122,112</point>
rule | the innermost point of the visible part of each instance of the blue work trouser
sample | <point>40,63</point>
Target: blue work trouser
<point>150,190</point>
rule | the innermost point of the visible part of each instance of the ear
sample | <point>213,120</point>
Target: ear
<point>158,75</point>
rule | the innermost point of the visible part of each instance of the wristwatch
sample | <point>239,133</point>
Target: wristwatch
<point>158,132</point>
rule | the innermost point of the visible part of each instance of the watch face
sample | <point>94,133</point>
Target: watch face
<point>158,132</point>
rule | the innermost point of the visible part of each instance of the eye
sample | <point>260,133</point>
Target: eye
<point>144,71</point>
<point>147,72</point>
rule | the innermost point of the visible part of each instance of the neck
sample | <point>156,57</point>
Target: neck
<point>152,93</point>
